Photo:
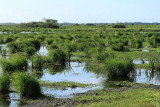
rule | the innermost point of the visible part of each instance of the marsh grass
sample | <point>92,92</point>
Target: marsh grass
<point>15,62</point>
<point>30,50</point>
<point>119,67</point>
<point>37,61</point>
<point>27,85</point>
<point>56,57</point>
<point>154,61</point>
<point>3,52</point>
<point>119,47</point>
<point>102,56</point>
<point>4,82</point>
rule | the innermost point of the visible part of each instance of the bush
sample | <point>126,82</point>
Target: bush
<point>4,82</point>
<point>119,25</point>
<point>119,68</point>
<point>27,85</point>
<point>16,62</point>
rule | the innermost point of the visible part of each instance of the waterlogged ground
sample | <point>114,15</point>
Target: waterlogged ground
<point>75,72</point>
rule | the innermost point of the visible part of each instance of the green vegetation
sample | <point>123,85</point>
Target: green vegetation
<point>27,85</point>
<point>119,68</point>
<point>118,25</point>
<point>108,51</point>
<point>154,61</point>
<point>56,56</point>
<point>16,62</point>
<point>37,61</point>
<point>63,84</point>
<point>4,82</point>
<point>120,98</point>
<point>48,23</point>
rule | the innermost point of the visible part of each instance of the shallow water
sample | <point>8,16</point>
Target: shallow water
<point>140,61</point>
<point>147,77</point>
<point>43,50</point>
<point>76,72</point>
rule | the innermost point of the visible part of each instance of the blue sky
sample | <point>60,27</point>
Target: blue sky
<point>80,11</point>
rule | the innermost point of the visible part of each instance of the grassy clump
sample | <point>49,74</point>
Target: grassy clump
<point>30,50</point>
<point>154,61</point>
<point>27,85</point>
<point>56,57</point>
<point>16,62</point>
<point>4,82</point>
<point>119,68</point>
<point>120,47</point>
<point>102,56</point>
<point>37,61</point>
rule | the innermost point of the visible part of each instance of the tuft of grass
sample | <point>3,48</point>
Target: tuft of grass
<point>30,50</point>
<point>56,57</point>
<point>154,61</point>
<point>27,85</point>
<point>102,56</point>
<point>15,62</point>
<point>4,82</point>
<point>119,68</point>
<point>37,61</point>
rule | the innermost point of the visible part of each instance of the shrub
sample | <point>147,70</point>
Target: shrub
<point>119,25</point>
<point>4,82</point>
<point>16,62</point>
<point>27,85</point>
<point>119,68</point>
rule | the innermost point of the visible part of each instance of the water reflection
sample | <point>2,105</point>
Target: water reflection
<point>43,50</point>
<point>75,73</point>
<point>148,77</point>
<point>10,100</point>
<point>140,61</point>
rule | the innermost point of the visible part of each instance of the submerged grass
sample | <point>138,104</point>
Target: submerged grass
<point>65,84</point>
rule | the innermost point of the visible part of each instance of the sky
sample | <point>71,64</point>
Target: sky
<point>80,11</point>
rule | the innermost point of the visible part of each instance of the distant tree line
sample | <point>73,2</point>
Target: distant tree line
<point>46,23</point>
<point>119,25</point>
